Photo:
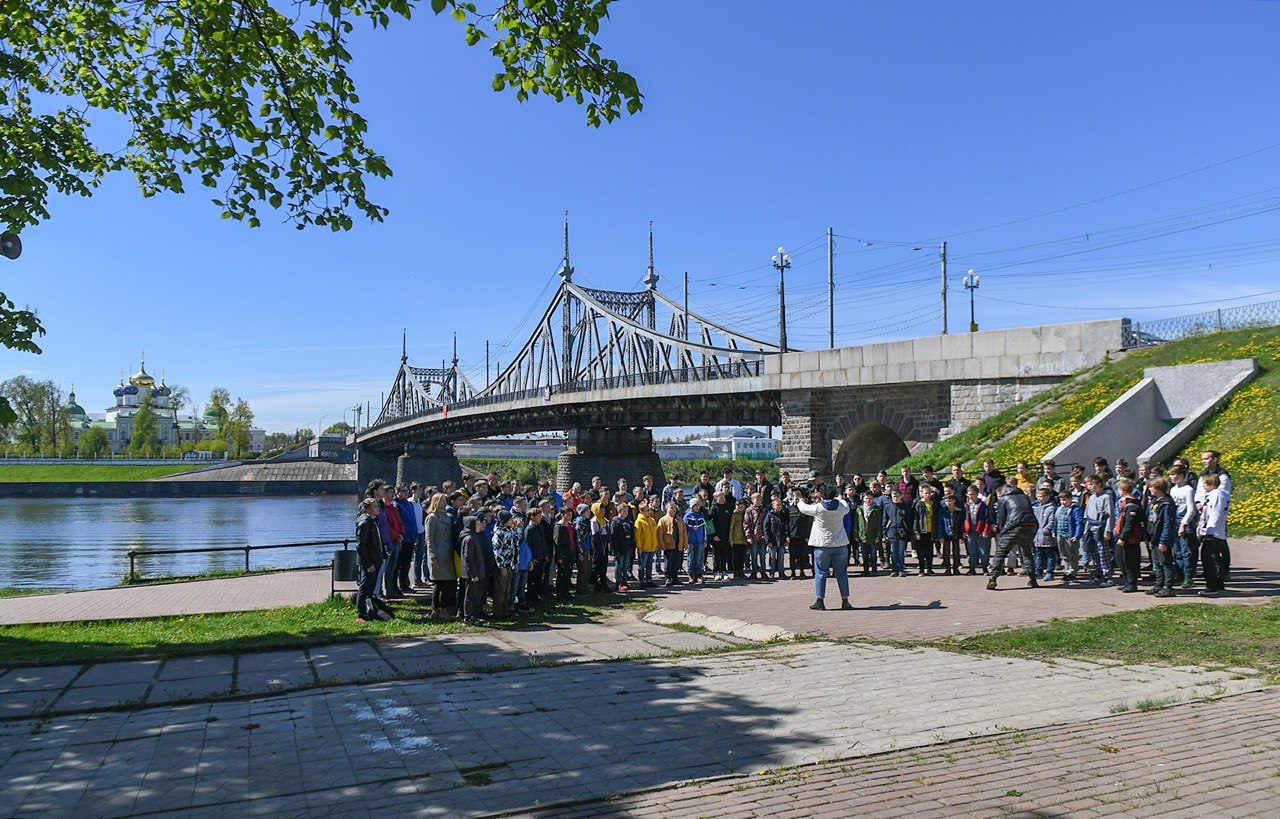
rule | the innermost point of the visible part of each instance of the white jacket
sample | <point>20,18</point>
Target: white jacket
<point>828,523</point>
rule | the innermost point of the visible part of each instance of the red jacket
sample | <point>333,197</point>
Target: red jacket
<point>394,523</point>
<point>975,519</point>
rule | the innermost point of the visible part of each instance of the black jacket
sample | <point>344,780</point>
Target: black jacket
<point>565,541</point>
<point>536,537</point>
<point>622,535</point>
<point>368,542</point>
<point>1014,511</point>
<point>473,563</point>
<point>721,515</point>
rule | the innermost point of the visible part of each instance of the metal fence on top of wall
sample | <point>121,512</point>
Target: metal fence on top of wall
<point>1162,331</point>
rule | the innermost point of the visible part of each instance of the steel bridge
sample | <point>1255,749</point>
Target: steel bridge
<point>596,359</point>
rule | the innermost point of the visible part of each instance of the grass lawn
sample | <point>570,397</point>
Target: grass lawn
<point>89,473</point>
<point>10,591</point>
<point>332,621</point>
<point>1180,634</point>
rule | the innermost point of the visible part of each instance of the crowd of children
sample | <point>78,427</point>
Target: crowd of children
<point>492,540</point>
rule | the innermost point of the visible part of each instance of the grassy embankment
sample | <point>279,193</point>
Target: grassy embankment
<point>1235,635</point>
<point>89,473</point>
<point>331,621</point>
<point>1246,431</point>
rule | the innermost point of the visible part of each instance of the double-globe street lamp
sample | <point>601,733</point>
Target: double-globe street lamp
<point>971,283</point>
<point>780,263</point>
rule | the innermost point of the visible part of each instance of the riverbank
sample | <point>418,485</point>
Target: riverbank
<point>91,473</point>
<point>174,489</point>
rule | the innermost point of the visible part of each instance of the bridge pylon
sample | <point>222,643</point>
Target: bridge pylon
<point>611,453</point>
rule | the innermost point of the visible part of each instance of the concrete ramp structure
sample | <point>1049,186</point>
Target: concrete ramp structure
<point>1159,415</point>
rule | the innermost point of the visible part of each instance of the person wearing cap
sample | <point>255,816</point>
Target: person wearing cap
<point>696,524</point>
<point>506,558</point>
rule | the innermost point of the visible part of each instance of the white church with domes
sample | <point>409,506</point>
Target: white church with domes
<point>173,430</point>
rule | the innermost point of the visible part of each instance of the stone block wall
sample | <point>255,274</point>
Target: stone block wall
<point>974,401</point>
<point>815,422</point>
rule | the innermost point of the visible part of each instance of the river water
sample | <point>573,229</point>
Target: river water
<point>82,543</point>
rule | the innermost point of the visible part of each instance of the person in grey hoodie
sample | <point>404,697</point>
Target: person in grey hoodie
<point>830,544</point>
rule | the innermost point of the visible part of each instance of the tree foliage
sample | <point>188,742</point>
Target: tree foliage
<point>341,427</point>
<point>144,441</point>
<point>252,98</point>
<point>93,443</point>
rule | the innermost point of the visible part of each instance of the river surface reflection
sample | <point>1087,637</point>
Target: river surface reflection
<point>80,543</point>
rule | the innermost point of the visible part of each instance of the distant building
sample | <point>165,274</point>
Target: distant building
<point>331,446</point>
<point>536,446</point>
<point>171,429</point>
<point>743,443</point>
<point>682,452</point>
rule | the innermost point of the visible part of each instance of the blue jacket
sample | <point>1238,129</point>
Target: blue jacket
<point>696,524</point>
<point>895,518</point>
<point>1074,521</point>
<point>1162,522</point>
<point>952,520</point>
<point>409,518</point>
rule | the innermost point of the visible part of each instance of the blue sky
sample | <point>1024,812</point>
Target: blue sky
<point>899,124</point>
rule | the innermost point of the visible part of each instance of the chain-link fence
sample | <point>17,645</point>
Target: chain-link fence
<point>1161,331</point>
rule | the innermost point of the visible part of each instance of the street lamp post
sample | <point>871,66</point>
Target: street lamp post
<point>781,263</point>
<point>971,283</point>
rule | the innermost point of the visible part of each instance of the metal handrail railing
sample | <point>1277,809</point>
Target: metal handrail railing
<point>247,549</point>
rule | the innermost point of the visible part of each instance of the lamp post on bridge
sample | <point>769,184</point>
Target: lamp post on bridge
<point>781,263</point>
<point>971,283</point>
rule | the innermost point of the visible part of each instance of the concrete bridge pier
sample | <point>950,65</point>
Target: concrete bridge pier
<point>611,453</point>
<point>424,463</point>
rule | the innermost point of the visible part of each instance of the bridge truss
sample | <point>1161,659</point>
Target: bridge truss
<point>590,339</point>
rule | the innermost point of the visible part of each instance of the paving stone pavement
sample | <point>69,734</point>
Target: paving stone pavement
<point>271,590</point>
<point>1135,764</point>
<point>27,692</point>
<point>929,608</point>
<point>475,743</point>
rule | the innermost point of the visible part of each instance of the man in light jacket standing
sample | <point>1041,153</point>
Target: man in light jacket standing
<point>830,546</point>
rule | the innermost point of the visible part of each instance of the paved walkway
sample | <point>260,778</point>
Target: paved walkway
<point>477,743</point>
<point>928,608</point>
<point>248,593</point>
<point>888,607</point>
<point>58,689</point>
<point>1136,764</point>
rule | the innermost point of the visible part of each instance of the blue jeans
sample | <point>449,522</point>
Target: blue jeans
<point>757,559</point>
<point>1186,554</point>
<point>976,549</point>
<point>777,554</point>
<point>1046,559</point>
<point>365,590</point>
<point>621,568</point>
<point>697,551</point>
<point>831,560</point>
<point>646,567</point>
<point>519,586</point>
<point>897,555</point>
<point>421,565</point>
<point>388,564</point>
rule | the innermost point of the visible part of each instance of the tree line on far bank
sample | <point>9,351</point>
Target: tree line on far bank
<point>42,425</point>
<point>686,472</point>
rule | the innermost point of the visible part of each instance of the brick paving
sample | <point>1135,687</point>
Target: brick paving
<point>1135,764</point>
<point>473,743</point>
<point>928,608</point>
<point>42,690</point>
<point>247,593</point>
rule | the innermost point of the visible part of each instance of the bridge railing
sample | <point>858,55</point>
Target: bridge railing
<point>685,375</point>
<point>1162,331</point>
